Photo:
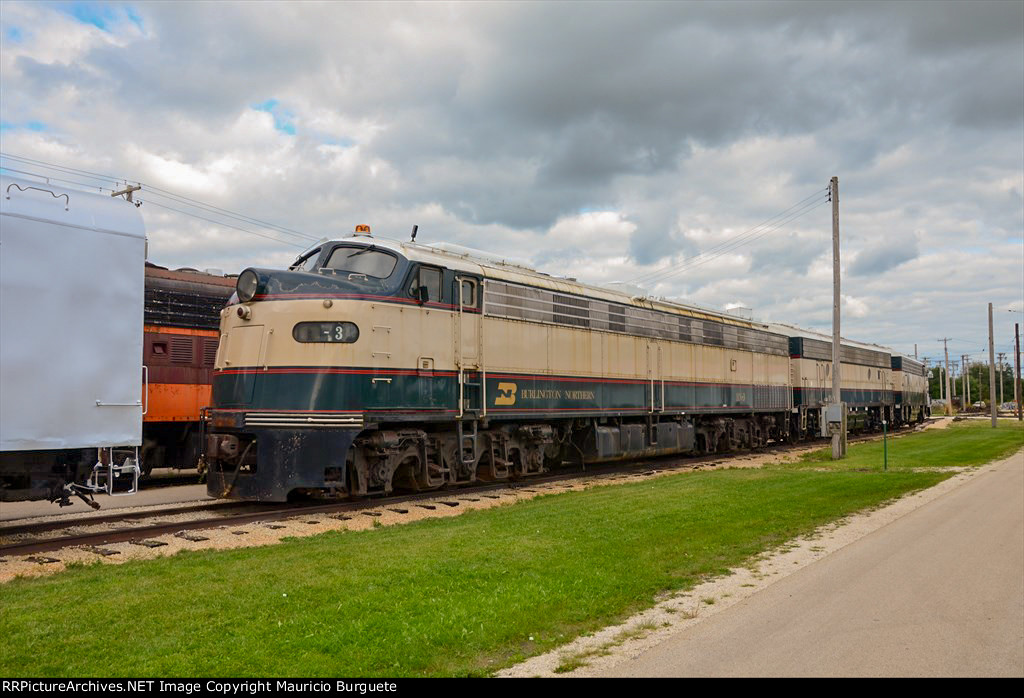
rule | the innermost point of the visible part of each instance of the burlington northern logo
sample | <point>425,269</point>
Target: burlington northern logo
<point>506,394</point>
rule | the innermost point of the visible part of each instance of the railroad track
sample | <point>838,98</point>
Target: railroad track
<point>140,532</point>
<point>73,521</point>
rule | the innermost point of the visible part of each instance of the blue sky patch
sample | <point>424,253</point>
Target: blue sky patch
<point>14,34</point>
<point>269,105</point>
<point>100,15</point>
<point>37,126</point>
<point>284,120</point>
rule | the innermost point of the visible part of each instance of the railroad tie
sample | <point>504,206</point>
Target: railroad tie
<point>192,537</point>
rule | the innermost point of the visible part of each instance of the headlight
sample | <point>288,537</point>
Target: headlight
<point>246,286</point>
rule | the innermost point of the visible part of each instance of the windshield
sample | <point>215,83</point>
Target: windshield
<point>306,262</point>
<point>367,261</point>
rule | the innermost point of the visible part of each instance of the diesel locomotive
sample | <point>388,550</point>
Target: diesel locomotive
<point>372,365</point>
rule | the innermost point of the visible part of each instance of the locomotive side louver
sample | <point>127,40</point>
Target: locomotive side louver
<point>303,419</point>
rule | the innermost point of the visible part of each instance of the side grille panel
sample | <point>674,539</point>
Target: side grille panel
<point>303,419</point>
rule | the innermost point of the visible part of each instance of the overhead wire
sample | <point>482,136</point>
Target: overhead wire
<point>230,214</point>
<point>56,179</point>
<point>227,225</point>
<point>150,191</point>
<point>797,210</point>
<point>727,247</point>
<point>696,262</point>
<point>62,168</point>
<point>733,243</point>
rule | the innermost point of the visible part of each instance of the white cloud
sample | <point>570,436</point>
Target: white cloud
<point>605,141</point>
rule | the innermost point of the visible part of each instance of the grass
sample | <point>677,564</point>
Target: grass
<point>581,659</point>
<point>961,444</point>
<point>442,597</point>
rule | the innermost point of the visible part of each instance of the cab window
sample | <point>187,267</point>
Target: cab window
<point>428,278</point>
<point>306,262</point>
<point>365,261</point>
<point>468,293</point>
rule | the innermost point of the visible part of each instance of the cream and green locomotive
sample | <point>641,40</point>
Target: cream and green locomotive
<point>372,365</point>
<point>876,385</point>
<point>911,402</point>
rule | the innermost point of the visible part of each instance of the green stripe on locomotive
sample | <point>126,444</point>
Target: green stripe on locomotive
<point>507,394</point>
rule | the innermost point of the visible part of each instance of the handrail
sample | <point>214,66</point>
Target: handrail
<point>67,199</point>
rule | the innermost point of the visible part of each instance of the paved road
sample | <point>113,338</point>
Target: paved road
<point>939,592</point>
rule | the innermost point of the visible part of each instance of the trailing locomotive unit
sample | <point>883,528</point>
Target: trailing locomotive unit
<point>876,385</point>
<point>372,364</point>
<point>866,383</point>
<point>182,314</point>
<point>910,390</point>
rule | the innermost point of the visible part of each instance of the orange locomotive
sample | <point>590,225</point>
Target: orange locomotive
<point>182,317</point>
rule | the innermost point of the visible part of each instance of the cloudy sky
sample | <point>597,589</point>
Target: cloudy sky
<point>606,141</point>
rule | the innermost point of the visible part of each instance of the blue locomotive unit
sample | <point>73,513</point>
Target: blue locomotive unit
<point>372,365</point>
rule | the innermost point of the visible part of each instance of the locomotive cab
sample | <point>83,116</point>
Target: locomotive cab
<point>309,356</point>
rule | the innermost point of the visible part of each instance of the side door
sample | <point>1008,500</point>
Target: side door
<point>468,340</point>
<point>655,379</point>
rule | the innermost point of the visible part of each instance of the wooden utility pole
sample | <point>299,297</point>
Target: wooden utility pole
<point>1016,363</point>
<point>949,398</point>
<point>963,382</point>
<point>839,435</point>
<point>1000,356</point>
<point>965,374</point>
<point>991,368</point>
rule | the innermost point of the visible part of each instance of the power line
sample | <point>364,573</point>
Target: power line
<point>49,178</point>
<point>224,212</point>
<point>62,168</point>
<point>725,242</point>
<point>697,263</point>
<point>734,238</point>
<point>728,246</point>
<point>227,225</point>
<point>165,194</point>
<point>769,225</point>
